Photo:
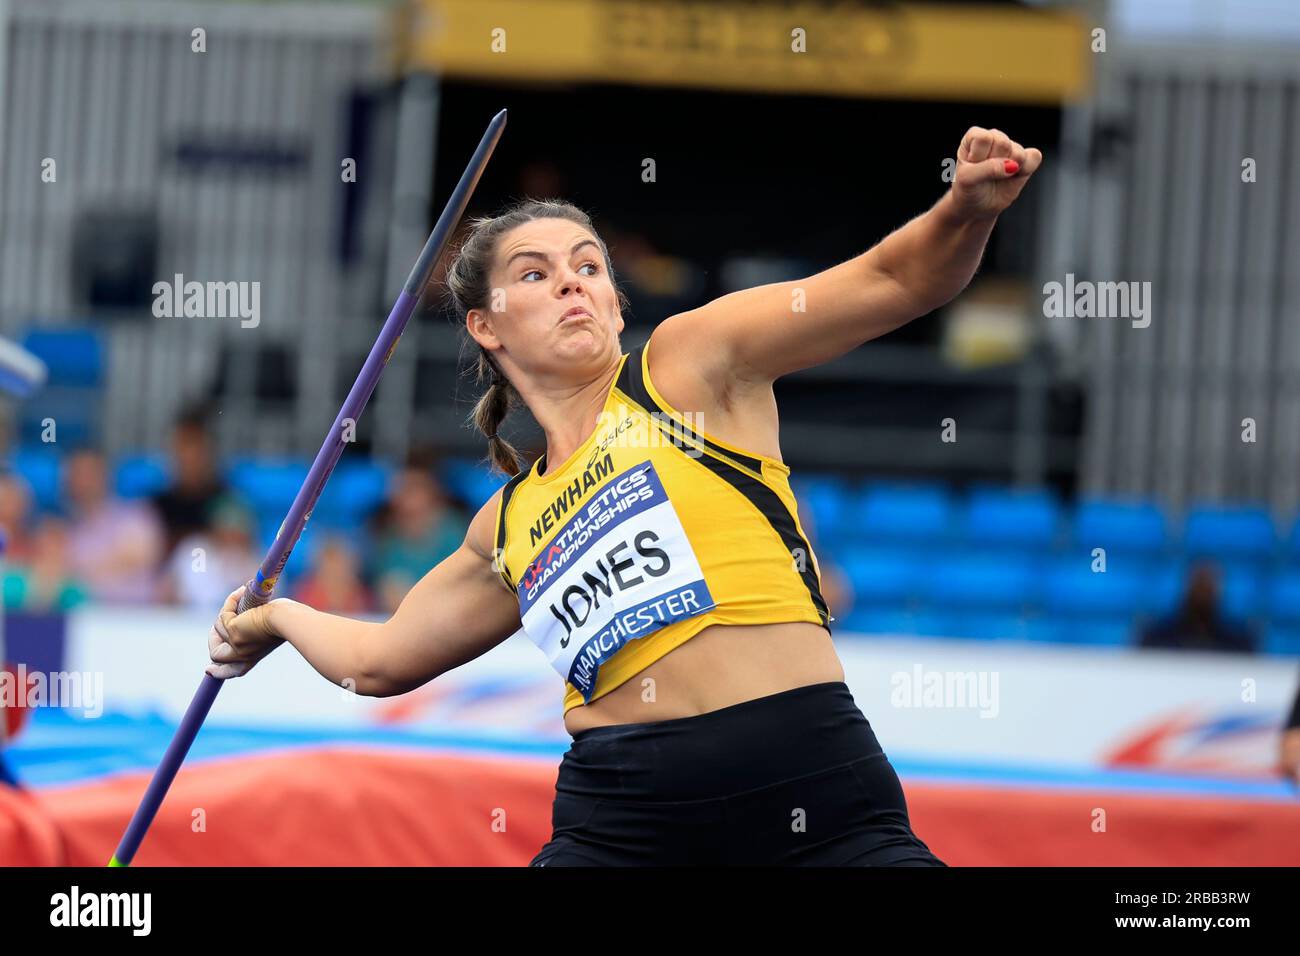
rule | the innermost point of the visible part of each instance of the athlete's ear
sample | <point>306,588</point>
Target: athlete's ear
<point>480,329</point>
<point>618,321</point>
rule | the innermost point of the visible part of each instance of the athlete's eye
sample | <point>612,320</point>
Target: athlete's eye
<point>594,265</point>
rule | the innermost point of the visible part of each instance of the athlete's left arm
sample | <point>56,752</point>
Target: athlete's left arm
<point>760,334</point>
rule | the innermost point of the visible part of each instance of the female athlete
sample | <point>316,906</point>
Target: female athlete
<point>653,552</point>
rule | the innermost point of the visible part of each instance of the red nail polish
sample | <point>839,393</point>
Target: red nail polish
<point>1011,166</point>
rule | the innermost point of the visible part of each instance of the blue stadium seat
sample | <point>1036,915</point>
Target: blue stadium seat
<point>269,487</point>
<point>829,499</point>
<point>1283,600</point>
<point>1048,628</point>
<point>932,622</point>
<point>41,467</point>
<point>1244,594</point>
<point>69,398</point>
<point>1226,532</point>
<point>903,622</point>
<point>879,619</point>
<point>993,626</point>
<point>1101,632</point>
<point>964,581</point>
<point>882,575</point>
<point>1293,541</point>
<point>1072,589</point>
<point>1120,525</point>
<point>353,492</point>
<point>1283,640</point>
<point>1166,580</point>
<point>1004,517</point>
<point>140,476</point>
<point>74,356</point>
<point>906,513</point>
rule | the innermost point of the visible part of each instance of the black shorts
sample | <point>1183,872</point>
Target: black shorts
<point>792,779</point>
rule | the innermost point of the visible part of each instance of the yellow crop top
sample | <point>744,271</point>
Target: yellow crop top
<point>651,531</point>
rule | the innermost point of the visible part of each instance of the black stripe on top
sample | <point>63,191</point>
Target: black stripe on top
<point>499,553</point>
<point>631,382</point>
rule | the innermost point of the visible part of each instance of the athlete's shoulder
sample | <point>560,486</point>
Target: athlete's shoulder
<point>687,373</point>
<point>678,366</point>
<point>689,340</point>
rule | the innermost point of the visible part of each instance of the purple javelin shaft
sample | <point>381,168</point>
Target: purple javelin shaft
<point>260,589</point>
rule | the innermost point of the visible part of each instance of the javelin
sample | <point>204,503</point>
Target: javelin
<point>259,590</point>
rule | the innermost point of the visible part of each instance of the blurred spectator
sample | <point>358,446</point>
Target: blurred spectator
<point>1289,754</point>
<point>44,582</point>
<point>196,487</point>
<point>334,583</point>
<point>15,518</point>
<point>1199,623</point>
<point>417,527</point>
<point>114,545</point>
<point>207,565</point>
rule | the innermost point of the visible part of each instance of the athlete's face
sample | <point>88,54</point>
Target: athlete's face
<point>552,306</point>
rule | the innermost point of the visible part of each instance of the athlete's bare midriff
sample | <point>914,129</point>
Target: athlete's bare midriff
<point>722,665</point>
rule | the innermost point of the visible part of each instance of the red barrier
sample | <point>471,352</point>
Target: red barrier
<point>321,807</point>
<point>1004,826</point>
<point>28,835</point>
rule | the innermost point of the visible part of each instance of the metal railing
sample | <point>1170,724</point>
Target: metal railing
<point>1154,189</point>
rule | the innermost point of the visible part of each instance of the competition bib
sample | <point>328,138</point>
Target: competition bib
<point>621,568</point>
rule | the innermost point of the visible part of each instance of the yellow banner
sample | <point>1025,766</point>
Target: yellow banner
<point>973,53</point>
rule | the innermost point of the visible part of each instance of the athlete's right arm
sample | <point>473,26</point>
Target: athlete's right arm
<point>458,611</point>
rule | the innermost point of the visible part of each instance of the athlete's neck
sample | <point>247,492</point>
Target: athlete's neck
<point>569,416</point>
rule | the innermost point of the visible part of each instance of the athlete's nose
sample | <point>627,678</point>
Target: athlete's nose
<point>571,287</point>
<point>571,281</point>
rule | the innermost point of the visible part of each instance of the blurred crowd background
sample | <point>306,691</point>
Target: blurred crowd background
<point>186,527</point>
<point>1102,482</point>
<point>179,530</point>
